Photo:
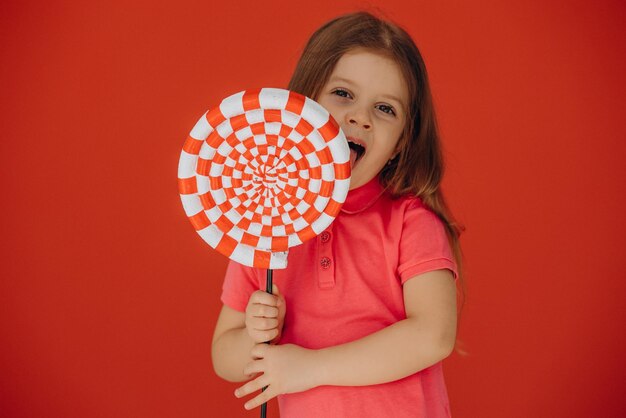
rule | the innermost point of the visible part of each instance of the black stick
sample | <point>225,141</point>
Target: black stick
<point>268,289</point>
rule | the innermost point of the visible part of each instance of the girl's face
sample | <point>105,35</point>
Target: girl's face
<point>368,97</point>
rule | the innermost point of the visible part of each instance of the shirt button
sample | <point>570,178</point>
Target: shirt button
<point>325,237</point>
<point>325,262</point>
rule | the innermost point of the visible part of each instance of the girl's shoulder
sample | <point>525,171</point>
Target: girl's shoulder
<point>407,202</point>
<point>413,206</point>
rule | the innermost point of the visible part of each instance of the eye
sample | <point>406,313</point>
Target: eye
<point>387,109</point>
<point>341,93</point>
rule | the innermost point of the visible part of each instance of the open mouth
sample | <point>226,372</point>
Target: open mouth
<point>356,152</point>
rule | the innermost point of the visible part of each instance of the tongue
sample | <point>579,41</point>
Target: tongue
<point>353,156</point>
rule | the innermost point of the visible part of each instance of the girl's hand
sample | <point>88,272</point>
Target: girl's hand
<point>265,315</point>
<point>283,369</point>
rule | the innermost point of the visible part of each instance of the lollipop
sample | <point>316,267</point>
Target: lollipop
<point>266,170</point>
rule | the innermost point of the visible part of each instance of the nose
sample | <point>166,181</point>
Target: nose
<point>359,117</point>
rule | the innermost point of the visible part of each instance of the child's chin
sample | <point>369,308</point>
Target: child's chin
<point>355,163</point>
<point>356,180</point>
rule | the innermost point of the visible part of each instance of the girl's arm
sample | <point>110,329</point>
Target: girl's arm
<point>424,338</point>
<point>231,345</point>
<point>236,333</point>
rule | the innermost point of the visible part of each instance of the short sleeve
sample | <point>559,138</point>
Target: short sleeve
<point>424,244</point>
<point>239,283</point>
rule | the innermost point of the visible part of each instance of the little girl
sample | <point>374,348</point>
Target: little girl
<point>363,315</point>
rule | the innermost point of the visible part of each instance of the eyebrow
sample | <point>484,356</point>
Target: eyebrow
<point>384,96</point>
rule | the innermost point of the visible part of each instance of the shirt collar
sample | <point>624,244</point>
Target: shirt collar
<point>363,197</point>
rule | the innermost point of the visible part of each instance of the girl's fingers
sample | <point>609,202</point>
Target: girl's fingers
<point>264,311</point>
<point>259,351</point>
<point>263,336</point>
<point>252,368</point>
<point>259,400</point>
<point>251,387</point>
<point>275,290</point>
<point>264,298</point>
<point>252,376</point>
<point>265,324</point>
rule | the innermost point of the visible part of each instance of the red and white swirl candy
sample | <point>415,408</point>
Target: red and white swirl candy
<point>264,171</point>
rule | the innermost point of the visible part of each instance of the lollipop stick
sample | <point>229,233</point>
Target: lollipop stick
<point>268,289</point>
<point>268,282</point>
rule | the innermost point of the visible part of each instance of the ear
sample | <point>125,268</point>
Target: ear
<point>399,146</point>
<point>395,154</point>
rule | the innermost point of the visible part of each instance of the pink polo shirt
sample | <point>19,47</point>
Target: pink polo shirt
<point>346,284</point>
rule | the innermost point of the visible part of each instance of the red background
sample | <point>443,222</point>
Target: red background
<point>108,297</point>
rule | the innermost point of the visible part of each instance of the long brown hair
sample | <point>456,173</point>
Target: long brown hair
<point>418,167</point>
